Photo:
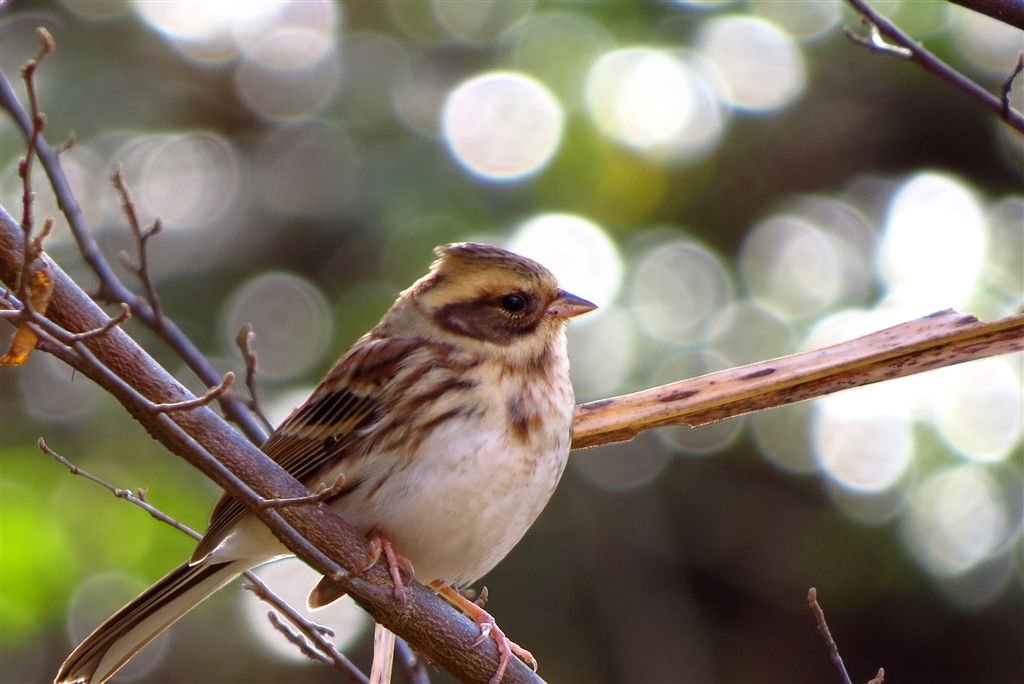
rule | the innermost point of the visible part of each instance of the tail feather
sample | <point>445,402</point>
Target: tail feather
<point>114,642</point>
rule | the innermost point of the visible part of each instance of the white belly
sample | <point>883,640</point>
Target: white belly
<point>465,499</point>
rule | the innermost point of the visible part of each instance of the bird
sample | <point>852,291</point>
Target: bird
<point>441,434</point>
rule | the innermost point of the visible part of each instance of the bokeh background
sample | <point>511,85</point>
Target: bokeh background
<point>730,181</point>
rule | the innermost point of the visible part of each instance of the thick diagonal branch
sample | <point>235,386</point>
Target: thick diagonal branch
<point>323,539</point>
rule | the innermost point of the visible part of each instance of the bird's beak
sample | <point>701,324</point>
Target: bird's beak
<point>567,305</point>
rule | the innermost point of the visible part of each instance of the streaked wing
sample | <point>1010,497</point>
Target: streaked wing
<point>325,429</point>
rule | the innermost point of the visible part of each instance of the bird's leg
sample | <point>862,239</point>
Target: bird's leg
<point>488,628</point>
<point>381,546</point>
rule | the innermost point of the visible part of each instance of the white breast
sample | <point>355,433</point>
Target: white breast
<point>474,485</point>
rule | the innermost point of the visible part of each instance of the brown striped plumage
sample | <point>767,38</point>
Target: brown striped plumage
<point>450,422</point>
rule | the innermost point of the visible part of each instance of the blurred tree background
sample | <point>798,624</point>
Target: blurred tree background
<point>730,181</point>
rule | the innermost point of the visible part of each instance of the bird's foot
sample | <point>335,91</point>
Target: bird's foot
<point>381,546</point>
<point>488,629</point>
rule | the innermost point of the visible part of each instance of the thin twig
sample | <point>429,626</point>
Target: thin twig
<point>126,494</point>
<point>1008,84</point>
<point>321,494</point>
<point>415,668</point>
<point>297,639</point>
<point>142,237</point>
<point>189,404</point>
<point>111,288</point>
<point>78,356</point>
<point>126,313</point>
<point>313,632</point>
<point>875,42</point>
<point>907,48</point>
<point>28,70</point>
<point>833,650</point>
<point>243,340</point>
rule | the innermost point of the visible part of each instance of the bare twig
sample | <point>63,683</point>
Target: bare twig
<point>315,633</point>
<point>126,313</point>
<point>126,494</point>
<point>1008,84</point>
<point>111,288</point>
<point>297,639</point>
<point>415,668</point>
<point>243,341</point>
<point>28,70</point>
<point>321,494</point>
<point>906,47</point>
<point>189,404</point>
<point>833,650</point>
<point>142,237</point>
<point>875,42</point>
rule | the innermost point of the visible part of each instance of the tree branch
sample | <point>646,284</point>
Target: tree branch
<point>111,288</point>
<point>907,48</point>
<point>314,532</point>
<point>324,649</point>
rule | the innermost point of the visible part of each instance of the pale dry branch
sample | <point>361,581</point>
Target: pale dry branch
<point>941,339</point>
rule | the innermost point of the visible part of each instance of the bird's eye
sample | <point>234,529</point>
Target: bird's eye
<point>513,303</point>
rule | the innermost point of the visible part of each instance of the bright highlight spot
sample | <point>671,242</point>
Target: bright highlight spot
<point>761,66</point>
<point>188,180</point>
<point>956,519</point>
<point>652,101</point>
<point>619,468</point>
<point>502,126</point>
<point>802,20</point>
<point>867,452</point>
<point>678,290</point>
<point>580,254</point>
<point>558,48</point>
<point>601,354</point>
<point>933,246</point>
<point>792,268</point>
<point>292,580</point>
<point>978,408</point>
<point>291,320</point>
<point>480,21</point>
<point>987,43</point>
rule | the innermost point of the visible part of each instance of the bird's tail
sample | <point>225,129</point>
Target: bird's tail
<point>114,642</point>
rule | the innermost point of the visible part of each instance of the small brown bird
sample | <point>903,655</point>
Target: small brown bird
<point>450,423</point>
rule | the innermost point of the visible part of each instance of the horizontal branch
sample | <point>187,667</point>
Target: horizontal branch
<point>941,339</point>
<point>314,532</point>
